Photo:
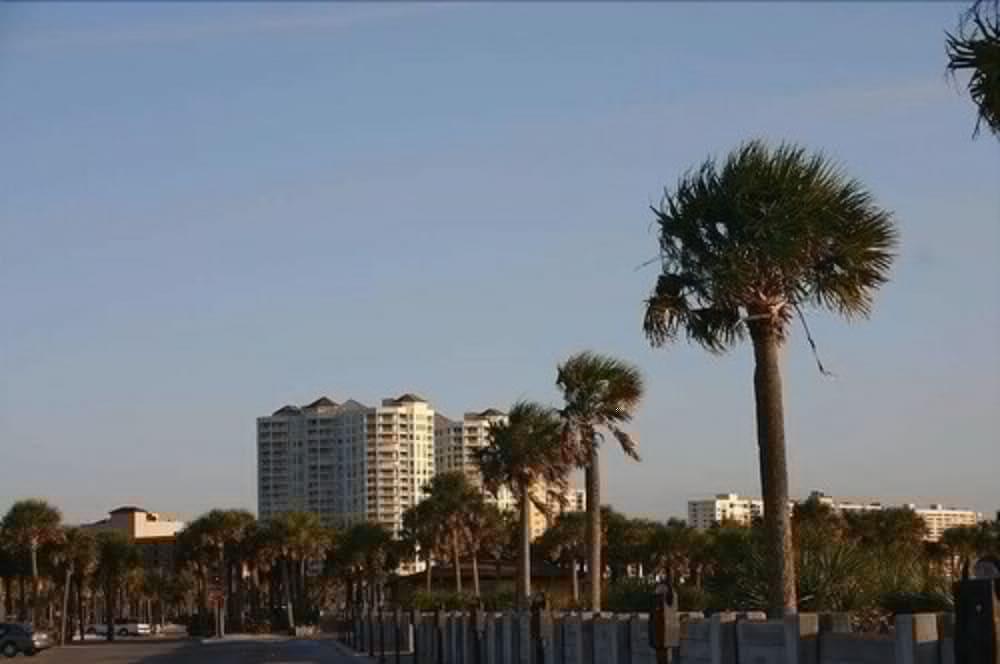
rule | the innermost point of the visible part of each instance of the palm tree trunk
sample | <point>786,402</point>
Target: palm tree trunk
<point>524,551</point>
<point>429,571</point>
<point>594,568</point>
<point>22,613</point>
<point>576,582</point>
<point>458,563</point>
<point>8,598</point>
<point>79,606</point>
<point>109,610</point>
<point>65,606</point>
<point>773,469</point>
<point>475,575</point>
<point>34,581</point>
<point>287,593</point>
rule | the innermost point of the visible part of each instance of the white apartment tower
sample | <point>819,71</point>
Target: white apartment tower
<point>346,462</point>
<point>456,443</point>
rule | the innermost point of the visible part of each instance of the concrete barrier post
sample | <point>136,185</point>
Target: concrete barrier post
<point>506,636</point>
<point>605,638</point>
<point>722,638</point>
<point>490,638</point>
<point>523,639</point>
<point>946,635</point>
<point>640,649</point>
<point>572,639</point>
<point>916,639</point>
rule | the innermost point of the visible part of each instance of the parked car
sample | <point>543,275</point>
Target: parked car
<point>123,627</point>
<point>17,638</point>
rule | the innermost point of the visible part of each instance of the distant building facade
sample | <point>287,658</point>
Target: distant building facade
<point>154,534</point>
<point>456,443</point>
<point>347,462</point>
<point>732,507</point>
<point>722,507</point>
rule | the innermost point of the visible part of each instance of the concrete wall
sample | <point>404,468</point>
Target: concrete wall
<point>725,638</point>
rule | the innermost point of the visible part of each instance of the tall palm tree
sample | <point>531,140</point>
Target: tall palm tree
<point>77,555</point>
<point>31,524</point>
<point>601,394</point>
<point>451,498</point>
<point>523,452</point>
<point>117,555</point>
<point>975,47</point>
<point>743,245</point>
<point>425,533</point>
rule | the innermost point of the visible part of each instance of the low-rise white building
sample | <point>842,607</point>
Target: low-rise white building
<point>734,508</point>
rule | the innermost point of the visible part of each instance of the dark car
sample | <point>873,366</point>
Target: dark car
<point>15,638</point>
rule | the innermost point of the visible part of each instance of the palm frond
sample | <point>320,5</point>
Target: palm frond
<point>975,47</point>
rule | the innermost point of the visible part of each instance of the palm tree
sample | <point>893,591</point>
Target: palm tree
<point>483,521</point>
<point>566,542</point>
<point>425,534</point>
<point>744,245</point>
<point>451,497</point>
<point>117,555</point>
<point>77,554</point>
<point>29,525</point>
<point>522,453</point>
<point>975,47</point>
<point>601,394</point>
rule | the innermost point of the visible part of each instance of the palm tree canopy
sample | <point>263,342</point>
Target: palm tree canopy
<point>31,522</point>
<point>116,555</point>
<point>756,236</point>
<point>525,449</point>
<point>975,47</point>
<point>77,550</point>
<point>599,391</point>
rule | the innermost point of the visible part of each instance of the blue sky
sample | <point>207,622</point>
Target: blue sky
<point>213,210</point>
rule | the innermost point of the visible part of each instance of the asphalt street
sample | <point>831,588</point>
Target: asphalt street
<point>257,651</point>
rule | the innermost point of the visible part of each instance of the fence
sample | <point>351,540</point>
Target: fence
<point>543,637</point>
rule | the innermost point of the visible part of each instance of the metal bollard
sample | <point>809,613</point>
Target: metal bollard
<point>666,628</point>
<point>539,611</point>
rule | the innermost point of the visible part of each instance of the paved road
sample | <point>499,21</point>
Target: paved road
<point>279,651</point>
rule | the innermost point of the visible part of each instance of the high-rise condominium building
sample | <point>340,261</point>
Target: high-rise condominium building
<point>456,443</point>
<point>346,462</point>
<point>455,446</point>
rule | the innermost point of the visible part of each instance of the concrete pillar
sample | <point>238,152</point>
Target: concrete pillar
<point>451,640</point>
<point>917,639</point>
<point>523,644</point>
<point>506,637</point>
<point>545,641</point>
<point>946,635</point>
<point>802,639</point>
<point>572,639</point>
<point>489,643</point>
<point>722,638</point>
<point>605,638</point>
<point>640,649</point>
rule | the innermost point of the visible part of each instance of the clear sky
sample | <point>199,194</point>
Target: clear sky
<point>209,211</point>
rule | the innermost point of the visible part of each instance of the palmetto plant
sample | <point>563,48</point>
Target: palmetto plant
<point>600,394</point>
<point>523,452</point>
<point>746,244</point>
<point>975,48</point>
